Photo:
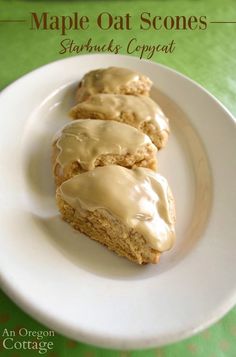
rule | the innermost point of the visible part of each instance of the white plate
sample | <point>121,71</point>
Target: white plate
<point>75,285</point>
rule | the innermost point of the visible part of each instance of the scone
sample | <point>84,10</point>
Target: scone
<point>139,111</point>
<point>84,144</point>
<point>132,212</point>
<point>113,80</point>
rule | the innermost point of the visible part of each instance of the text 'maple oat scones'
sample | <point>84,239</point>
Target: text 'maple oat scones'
<point>84,144</point>
<point>131,212</point>
<point>116,80</point>
<point>140,112</point>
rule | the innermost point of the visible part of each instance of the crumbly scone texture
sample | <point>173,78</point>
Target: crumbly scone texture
<point>159,138</point>
<point>144,157</point>
<point>103,227</point>
<point>138,87</point>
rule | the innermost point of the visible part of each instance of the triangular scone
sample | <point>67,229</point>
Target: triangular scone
<point>140,112</point>
<point>83,145</point>
<point>132,212</point>
<point>116,80</point>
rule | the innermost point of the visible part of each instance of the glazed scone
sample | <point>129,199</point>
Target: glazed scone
<point>132,212</point>
<point>84,144</point>
<point>116,80</point>
<point>140,112</point>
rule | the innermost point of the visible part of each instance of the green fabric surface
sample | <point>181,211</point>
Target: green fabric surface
<point>208,57</point>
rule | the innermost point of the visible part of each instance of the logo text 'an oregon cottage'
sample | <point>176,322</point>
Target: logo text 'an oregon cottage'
<point>106,21</point>
<point>26,339</point>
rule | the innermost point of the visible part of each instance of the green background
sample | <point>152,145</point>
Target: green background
<point>208,57</point>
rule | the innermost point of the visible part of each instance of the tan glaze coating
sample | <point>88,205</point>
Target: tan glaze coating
<point>112,105</point>
<point>84,140</point>
<point>109,80</point>
<point>140,198</point>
